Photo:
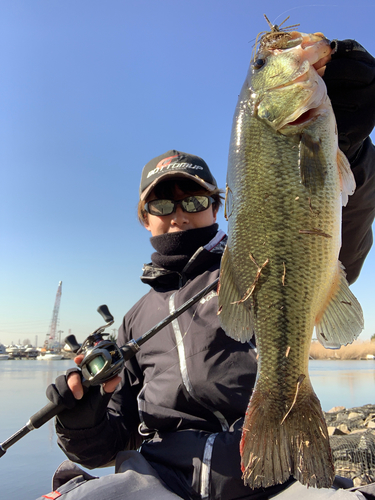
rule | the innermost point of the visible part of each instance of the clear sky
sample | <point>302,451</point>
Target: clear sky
<point>90,90</point>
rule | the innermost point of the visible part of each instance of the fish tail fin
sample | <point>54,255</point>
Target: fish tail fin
<point>235,315</point>
<point>275,447</point>
<point>342,319</point>
<point>347,180</point>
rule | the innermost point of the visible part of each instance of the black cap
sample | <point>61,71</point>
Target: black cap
<point>175,164</point>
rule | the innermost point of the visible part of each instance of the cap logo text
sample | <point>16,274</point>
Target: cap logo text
<point>165,161</point>
<point>161,166</point>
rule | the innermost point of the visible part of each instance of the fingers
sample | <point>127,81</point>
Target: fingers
<point>78,359</point>
<point>111,385</point>
<point>75,385</point>
<point>320,65</point>
<point>74,380</point>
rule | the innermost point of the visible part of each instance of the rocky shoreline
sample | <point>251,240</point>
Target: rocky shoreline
<point>352,438</point>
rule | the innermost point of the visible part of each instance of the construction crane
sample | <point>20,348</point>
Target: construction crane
<point>51,335</point>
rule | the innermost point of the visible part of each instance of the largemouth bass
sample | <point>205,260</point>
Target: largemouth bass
<point>280,275</point>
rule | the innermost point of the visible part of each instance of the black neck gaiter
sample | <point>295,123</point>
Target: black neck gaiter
<point>173,250</point>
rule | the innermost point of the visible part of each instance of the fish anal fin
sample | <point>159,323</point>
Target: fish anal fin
<point>272,451</point>
<point>312,163</point>
<point>341,320</point>
<point>347,181</point>
<point>234,315</point>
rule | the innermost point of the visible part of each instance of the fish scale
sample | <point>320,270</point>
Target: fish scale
<point>280,274</point>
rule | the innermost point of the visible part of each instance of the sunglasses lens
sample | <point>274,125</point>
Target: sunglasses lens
<point>160,207</point>
<point>195,203</point>
<point>191,204</point>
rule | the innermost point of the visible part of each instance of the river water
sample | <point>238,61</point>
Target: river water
<point>27,467</point>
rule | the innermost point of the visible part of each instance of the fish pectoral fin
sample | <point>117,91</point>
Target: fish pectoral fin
<point>342,319</point>
<point>312,163</point>
<point>235,315</point>
<point>347,181</point>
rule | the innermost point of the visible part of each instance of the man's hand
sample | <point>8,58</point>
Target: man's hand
<point>85,408</point>
<point>320,66</point>
<point>75,385</point>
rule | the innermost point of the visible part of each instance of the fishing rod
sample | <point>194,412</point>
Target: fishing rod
<point>103,360</point>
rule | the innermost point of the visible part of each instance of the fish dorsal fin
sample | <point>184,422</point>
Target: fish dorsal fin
<point>235,316</point>
<point>347,181</point>
<point>342,320</point>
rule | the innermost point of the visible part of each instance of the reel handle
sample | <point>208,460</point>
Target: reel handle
<point>72,343</point>
<point>105,314</point>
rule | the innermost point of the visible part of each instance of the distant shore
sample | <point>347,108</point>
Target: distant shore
<point>357,350</point>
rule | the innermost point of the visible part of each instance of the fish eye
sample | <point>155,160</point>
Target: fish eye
<point>259,63</point>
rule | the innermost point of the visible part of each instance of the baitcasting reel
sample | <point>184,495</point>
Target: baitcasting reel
<point>103,359</point>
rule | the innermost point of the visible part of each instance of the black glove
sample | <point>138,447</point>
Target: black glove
<point>82,413</point>
<point>350,80</point>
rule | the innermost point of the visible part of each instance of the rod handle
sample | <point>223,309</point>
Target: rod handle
<point>44,414</point>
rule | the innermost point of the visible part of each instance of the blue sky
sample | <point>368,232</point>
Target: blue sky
<point>90,90</point>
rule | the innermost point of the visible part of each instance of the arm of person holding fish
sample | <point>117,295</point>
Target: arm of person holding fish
<point>350,80</point>
<point>90,433</point>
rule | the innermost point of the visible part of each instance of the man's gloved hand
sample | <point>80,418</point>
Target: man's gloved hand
<point>83,413</point>
<point>350,80</point>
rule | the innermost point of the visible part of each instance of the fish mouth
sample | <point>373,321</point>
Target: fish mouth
<point>306,117</point>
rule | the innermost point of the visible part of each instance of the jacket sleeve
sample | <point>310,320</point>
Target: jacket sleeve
<point>350,80</point>
<point>98,446</point>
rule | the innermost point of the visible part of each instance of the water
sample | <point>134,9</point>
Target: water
<point>27,467</point>
<point>343,383</point>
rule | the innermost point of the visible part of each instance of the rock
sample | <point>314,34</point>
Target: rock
<point>342,416</point>
<point>355,414</point>
<point>352,438</point>
<point>343,428</point>
<point>336,409</point>
<point>335,431</point>
<point>370,417</point>
<point>356,423</point>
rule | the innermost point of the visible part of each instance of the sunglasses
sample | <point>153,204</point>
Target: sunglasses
<point>190,204</point>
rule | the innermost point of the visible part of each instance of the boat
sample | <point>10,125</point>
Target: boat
<point>3,353</point>
<point>49,355</point>
<point>15,351</point>
<point>30,352</point>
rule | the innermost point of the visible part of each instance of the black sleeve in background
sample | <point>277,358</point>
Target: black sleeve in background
<point>358,215</point>
<point>350,80</point>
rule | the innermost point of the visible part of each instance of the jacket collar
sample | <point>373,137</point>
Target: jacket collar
<point>203,258</point>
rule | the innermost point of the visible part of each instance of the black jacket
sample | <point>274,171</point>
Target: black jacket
<point>185,393</point>
<point>188,388</point>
